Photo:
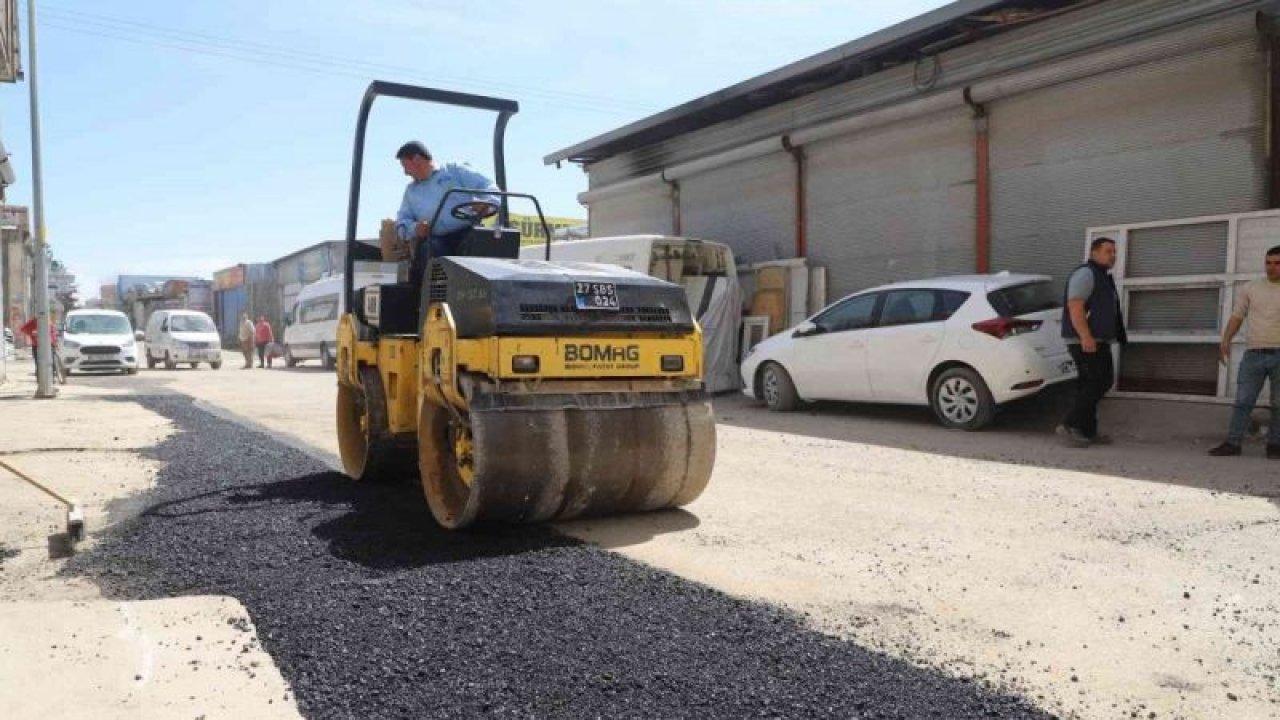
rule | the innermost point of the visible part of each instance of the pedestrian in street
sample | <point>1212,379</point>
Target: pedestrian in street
<point>247,335</point>
<point>423,196</point>
<point>29,329</point>
<point>264,337</point>
<point>1259,303</point>
<point>1091,323</point>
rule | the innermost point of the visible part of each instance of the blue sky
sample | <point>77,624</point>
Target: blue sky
<point>183,137</point>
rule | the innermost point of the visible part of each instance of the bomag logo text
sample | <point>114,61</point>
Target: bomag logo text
<point>602,353</point>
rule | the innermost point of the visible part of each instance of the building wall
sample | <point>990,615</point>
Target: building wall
<point>893,204</point>
<point>245,288</point>
<point>294,271</point>
<point>1179,136</point>
<point>16,267</point>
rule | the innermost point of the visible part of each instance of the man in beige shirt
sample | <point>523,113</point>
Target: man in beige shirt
<point>1259,302</point>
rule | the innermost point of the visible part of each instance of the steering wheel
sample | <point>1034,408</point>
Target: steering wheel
<point>474,211</point>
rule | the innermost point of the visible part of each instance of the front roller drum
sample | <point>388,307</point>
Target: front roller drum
<point>540,465</point>
<point>370,453</point>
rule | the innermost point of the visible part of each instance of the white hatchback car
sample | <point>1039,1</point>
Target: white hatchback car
<point>962,345</point>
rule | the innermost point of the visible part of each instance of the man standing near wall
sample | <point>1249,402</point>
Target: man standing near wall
<point>1091,322</point>
<point>1259,302</point>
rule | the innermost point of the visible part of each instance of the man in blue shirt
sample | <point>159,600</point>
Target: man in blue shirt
<point>423,196</point>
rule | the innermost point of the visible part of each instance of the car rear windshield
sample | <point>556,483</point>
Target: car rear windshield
<point>97,325</point>
<point>1027,298</point>
<point>191,323</point>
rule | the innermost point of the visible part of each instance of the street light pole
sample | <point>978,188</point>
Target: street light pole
<point>44,349</point>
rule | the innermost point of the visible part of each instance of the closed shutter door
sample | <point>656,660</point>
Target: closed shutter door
<point>749,206</point>
<point>638,213</point>
<point>1179,138</point>
<point>894,203</point>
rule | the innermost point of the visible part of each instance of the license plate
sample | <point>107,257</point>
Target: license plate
<point>595,296</point>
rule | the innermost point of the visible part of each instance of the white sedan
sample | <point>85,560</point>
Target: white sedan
<point>962,345</point>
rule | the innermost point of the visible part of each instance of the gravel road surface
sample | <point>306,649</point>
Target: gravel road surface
<point>370,610</point>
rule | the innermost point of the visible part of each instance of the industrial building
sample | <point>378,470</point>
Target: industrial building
<point>987,136</point>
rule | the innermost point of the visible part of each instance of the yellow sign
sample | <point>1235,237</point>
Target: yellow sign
<point>531,228</point>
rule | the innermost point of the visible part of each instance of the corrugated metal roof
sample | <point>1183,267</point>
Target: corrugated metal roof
<point>955,24</point>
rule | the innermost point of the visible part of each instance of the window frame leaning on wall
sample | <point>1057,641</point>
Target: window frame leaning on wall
<point>1248,236</point>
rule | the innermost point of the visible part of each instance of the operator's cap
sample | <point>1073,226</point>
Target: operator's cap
<point>411,149</point>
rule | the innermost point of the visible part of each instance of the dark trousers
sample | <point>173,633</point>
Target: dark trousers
<point>434,246</point>
<point>1096,373</point>
<point>262,355</point>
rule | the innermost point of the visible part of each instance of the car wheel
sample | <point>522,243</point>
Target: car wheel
<point>169,363</point>
<point>289,359</point>
<point>131,371</point>
<point>326,359</point>
<point>778,390</point>
<point>195,365</point>
<point>961,400</point>
<point>216,364</point>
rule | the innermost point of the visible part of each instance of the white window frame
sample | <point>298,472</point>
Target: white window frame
<point>1225,281</point>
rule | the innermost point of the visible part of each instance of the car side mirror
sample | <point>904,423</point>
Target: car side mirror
<point>137,335</point>
<point>806,329</point>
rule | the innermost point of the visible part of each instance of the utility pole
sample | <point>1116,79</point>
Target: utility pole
<point>44,349</point>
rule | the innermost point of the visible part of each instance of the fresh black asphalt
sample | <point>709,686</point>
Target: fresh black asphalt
<point>370,610</point>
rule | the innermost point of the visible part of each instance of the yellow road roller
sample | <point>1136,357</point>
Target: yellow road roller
<point>517,391</point>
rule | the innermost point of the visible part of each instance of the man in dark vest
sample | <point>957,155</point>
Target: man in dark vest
<point>1091,323</point>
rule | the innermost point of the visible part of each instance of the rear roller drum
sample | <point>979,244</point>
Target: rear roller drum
<point>369,451</point>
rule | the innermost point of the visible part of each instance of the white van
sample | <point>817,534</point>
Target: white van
<point>98,340</point>
<point>182,336</point>
<point>311,326</point>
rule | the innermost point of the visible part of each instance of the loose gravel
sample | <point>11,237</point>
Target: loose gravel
<point>371,610</point>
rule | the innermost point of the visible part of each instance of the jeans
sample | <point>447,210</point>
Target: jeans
<point>1256,367</point>
<point>263,361</point>
<point>1095,374</point>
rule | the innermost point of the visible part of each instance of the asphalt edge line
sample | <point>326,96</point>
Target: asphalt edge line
<point>324,457</point>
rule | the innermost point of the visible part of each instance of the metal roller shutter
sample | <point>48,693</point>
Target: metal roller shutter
<point>1183,137</point>
<point>1187,311</point>
<point>1179,369</point>
<point>641,213</point>
<point>749,206</point>
<point>1199,249</point>
<point>894,203</point>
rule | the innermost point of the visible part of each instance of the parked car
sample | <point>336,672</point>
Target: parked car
<point>962,345</point>
<point>311,327</point>
<point>98,340</point>
<point>182,336</point>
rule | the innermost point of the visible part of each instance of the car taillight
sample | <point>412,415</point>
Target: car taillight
<point>1001,328</point>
